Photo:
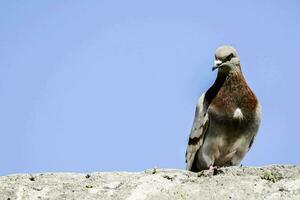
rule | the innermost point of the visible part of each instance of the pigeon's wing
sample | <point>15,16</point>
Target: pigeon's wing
<point>256,124</point>
<point>198,131</point>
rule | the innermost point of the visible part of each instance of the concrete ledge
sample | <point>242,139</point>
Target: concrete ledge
<point>270,182</point>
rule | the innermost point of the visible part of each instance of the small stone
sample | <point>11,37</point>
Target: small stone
<point>87,176</point>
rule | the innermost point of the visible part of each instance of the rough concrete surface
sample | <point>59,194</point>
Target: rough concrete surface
<point>271,182</point>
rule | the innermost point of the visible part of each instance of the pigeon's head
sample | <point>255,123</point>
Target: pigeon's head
<point>226,59</point>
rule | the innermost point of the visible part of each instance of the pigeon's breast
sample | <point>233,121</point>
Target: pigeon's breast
<point>234,120</point>
<point>234,107</point>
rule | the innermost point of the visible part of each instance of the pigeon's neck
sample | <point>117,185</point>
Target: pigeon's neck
<point>234,78</point>
<point>237,92</point>
<point>224,80</point>
<point>215,88</point>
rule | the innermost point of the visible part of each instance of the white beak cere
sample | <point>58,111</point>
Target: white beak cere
<point>217,63</point>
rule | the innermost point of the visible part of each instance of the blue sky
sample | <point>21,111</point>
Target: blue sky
<point>112,85</point>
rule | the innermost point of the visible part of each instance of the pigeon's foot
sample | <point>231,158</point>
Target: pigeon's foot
<point>209,172</point>
<point>212,168</point>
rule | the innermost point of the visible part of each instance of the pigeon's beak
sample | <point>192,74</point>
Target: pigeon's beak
<point>216,64</point>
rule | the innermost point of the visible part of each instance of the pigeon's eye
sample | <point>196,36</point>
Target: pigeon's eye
<point>228,58</point>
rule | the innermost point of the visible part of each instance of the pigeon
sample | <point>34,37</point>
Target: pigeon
<point>227,117</point>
